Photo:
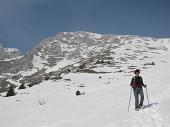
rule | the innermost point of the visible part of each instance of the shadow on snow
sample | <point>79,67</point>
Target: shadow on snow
<point>150,105</point>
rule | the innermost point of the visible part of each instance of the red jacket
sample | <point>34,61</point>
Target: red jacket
<point>137,81</point>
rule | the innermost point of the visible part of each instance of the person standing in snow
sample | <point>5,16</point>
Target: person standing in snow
<point>137,84</point>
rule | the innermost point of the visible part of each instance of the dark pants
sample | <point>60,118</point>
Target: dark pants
<point>137,92</point>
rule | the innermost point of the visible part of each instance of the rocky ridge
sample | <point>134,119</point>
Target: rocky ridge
<point>82,52</point>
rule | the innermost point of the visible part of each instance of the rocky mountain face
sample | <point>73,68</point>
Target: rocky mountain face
<point>82,52</point>
<point>64,46</point>
<point>8,53</point>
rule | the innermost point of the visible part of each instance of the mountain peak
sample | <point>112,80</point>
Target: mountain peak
<point>8,53</point>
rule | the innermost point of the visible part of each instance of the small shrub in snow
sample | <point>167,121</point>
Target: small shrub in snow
<point>22,86</point>
<point>79,93</point>
<point>152,63</point>
<point>46,78</point>
<point>31,85</point>
<point>82,85</point>
<point>11,91</point>
<point>41,102</point>
<point>56,78</point>
<point>67,79</point>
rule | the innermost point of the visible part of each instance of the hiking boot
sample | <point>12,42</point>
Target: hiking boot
<point>141,107</point>
<point>137,109</point>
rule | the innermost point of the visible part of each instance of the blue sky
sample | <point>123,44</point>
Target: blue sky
<point>24,23</point>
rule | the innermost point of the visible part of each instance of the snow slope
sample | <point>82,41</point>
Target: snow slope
<point>105,103</point>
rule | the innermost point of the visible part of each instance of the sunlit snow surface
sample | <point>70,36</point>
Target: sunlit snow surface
<point>104,104</point>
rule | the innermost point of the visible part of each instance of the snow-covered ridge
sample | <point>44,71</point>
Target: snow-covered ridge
<point>11,50</point>
<point>8,53</point>
<point>67,50</point>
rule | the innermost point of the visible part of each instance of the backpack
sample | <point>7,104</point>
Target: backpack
<point>137,81</point>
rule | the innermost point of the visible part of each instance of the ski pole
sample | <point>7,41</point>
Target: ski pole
<point>147,97</point>
<point>130,99</point>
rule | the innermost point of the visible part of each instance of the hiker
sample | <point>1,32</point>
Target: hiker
<point>136,84</point>
<point>11,91</point>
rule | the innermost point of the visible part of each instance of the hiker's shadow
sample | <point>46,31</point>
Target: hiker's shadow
<point>150,105</point>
